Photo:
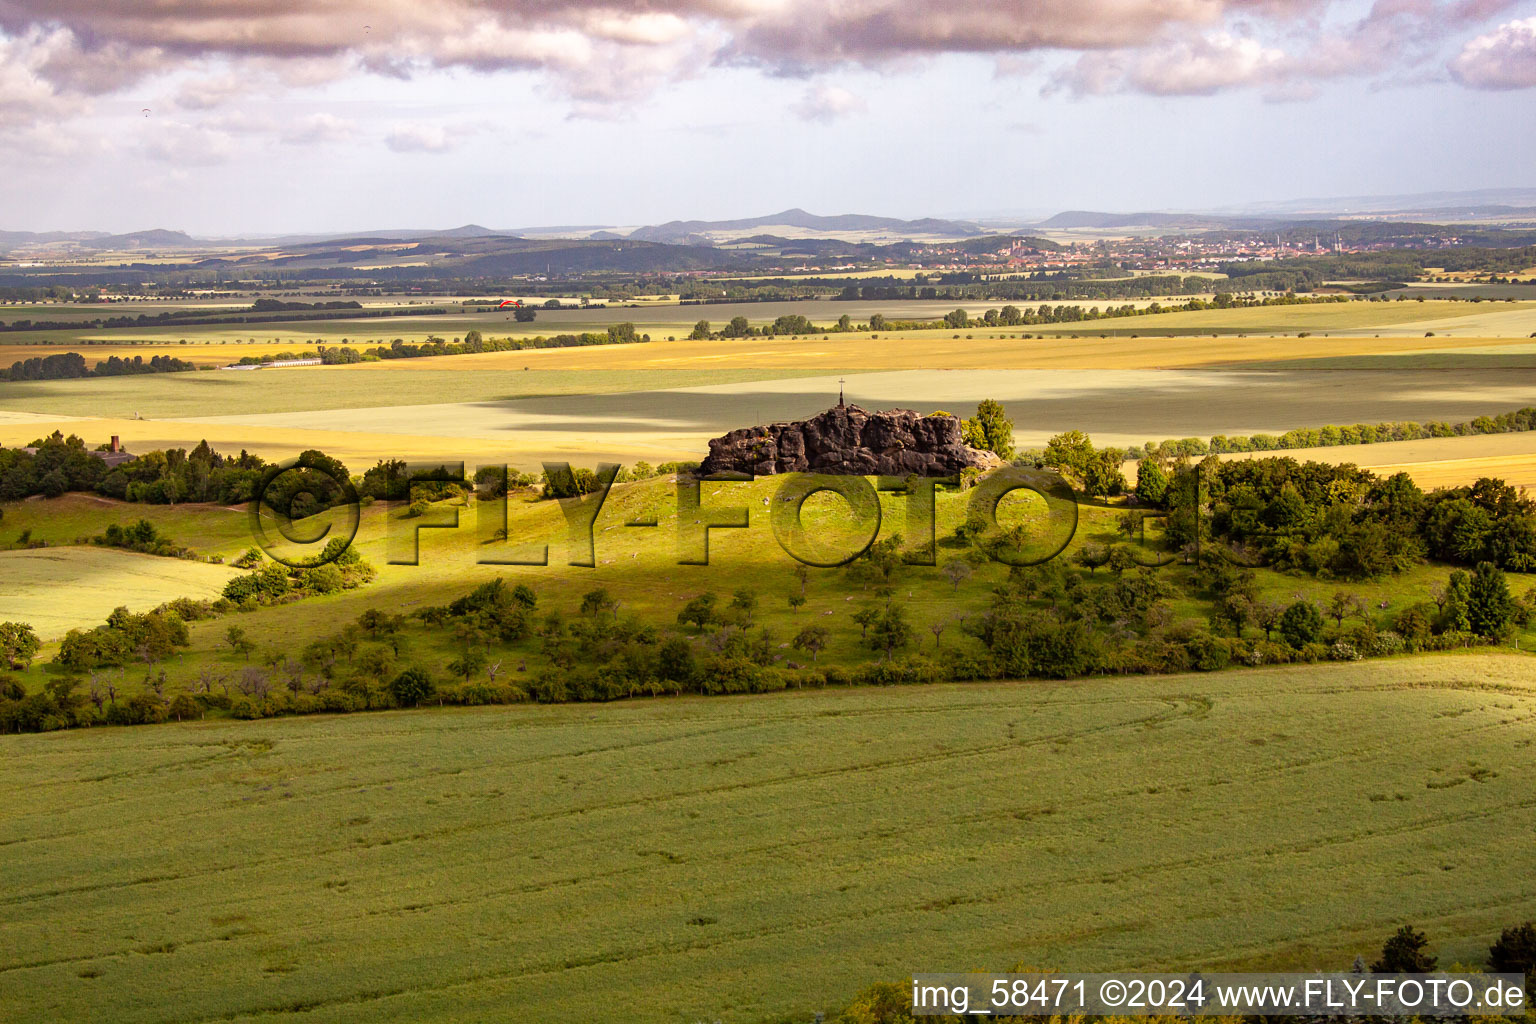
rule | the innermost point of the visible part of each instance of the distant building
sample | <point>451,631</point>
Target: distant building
<point>113,455</point>
<point>275,362</point>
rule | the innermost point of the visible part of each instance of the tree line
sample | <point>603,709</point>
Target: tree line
<point>68,365</point>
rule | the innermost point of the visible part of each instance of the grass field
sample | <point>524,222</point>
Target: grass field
<point>56,589</point>
<point>756,859</point>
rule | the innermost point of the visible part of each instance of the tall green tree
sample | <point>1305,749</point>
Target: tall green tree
<point>18,644</point>
<point>991,430</point>
<point>1490,606</point>
<point>1406,952</point>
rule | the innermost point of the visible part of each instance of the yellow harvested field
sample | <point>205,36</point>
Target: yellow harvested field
<point>1435,462</point>
<point>358,449</point>
<point>931,350</point>
<point>200,355</point>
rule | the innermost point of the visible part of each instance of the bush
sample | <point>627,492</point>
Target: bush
<point>1310,653</point>
<point>411,687</point>
<point>1386,644</point>
<point>1343,650</point>
<point>1301,624</point>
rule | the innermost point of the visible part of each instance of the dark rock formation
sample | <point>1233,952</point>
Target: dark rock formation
<point>849,440</point>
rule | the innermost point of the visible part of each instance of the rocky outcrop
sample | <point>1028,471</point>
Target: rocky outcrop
<point>849,440</point>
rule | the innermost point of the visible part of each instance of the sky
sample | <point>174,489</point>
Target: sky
<point>247,117</point>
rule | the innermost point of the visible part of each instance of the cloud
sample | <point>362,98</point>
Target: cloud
<point>55,55</point>
<point>186,145</point>
<point>1503,59</point>
<point>427,136</point>
<point>213,91</point>
<point>1391,42</point>
<point>825,102</point>
<point>316,129</point>
<point>1195,67</point>
<point>28,95</point>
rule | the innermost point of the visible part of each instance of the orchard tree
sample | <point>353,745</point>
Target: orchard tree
<point>18,644</point>
<point>238,642</point>
<point>957,571</point>
<point>744,603</point>
<point>1091,557</point>
<point>890,631</point>
<point>812,640</point>
<point>700,611</point>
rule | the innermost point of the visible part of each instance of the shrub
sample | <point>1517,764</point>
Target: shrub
<point>1301,624</point>
<point>1343,650</point>
<point>411,687</point>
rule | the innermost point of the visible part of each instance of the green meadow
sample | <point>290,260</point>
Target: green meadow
<point>758,859</point>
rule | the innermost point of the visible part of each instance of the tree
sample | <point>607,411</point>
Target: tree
<point>744,603</point>
<point>1343,605</point>
<point>183,706</point>
<point>1091,556</point>
<point>1151,482</point>
<point>467,664</point>
<point>1515,953</point>
<point>700,611</point>
<point>796,602</point>
<point>1071,453</point>
<point>991,430</point>
<point>802,574</point>
<point>238,642</point>
<point>1267,615</point>
<point>1301,624</point>
<point>865,617</point>
<point>812,640</point>
<point>1405,953</point>
<point>700,331</point>
<point>18,644</point>
<point>1120,560</point>
<point>890,631</point>
<point>411,687</point>
<point>1490,607</point>
<point>1456,603</point>
<point>596,602</point>
<point>957,571</point>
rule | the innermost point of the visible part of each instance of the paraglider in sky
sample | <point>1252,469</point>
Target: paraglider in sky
<point>517,303</point>
<point>146,111</point>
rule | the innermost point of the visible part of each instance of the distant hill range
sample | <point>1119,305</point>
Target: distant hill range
<point>155,239</point>
<point>780,239</point>
<point>800,220</point>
